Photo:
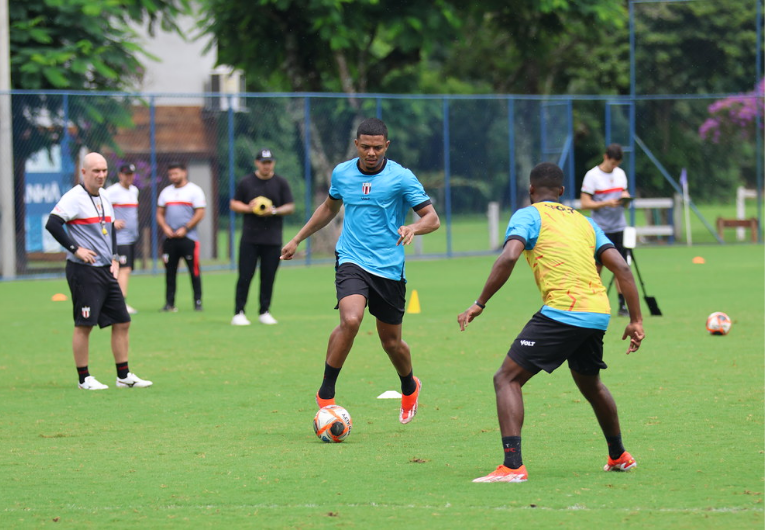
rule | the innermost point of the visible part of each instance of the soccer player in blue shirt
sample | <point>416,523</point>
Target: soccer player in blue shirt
<point>377,194</point>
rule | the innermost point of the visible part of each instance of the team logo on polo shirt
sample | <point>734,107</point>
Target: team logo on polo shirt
<point>366,188</point>
<point>86,312</point>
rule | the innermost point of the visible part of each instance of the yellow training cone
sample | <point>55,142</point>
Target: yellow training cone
<point>58,297</point>
<point>414,303</point>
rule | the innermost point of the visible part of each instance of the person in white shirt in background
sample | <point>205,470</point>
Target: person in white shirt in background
<point>124,198</point>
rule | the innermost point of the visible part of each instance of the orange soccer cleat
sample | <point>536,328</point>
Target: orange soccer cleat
<point>623,463</point>
<point>324,402</point>
<point>409,404</point>
<point>505,474</point>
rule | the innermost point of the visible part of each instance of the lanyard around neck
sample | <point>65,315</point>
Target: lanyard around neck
<point>102,213</point>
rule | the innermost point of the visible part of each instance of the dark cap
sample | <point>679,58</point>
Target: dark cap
<point>264,155</point>
<point>127,168</point>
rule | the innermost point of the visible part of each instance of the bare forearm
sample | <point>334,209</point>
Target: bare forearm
<point>498,276</point>
<point>320,218</point>
<point>285,209</point>
<point>161,220</point>
<point>199,214</point>
<point>240,207</point>
<point>427,223</point>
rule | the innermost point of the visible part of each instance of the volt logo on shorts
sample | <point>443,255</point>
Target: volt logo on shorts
<point>528,342</point>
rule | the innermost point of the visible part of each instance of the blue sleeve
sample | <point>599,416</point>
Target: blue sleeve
<point>414,193</point>
<point>601,239</point>
<point>334,190</point>
<point>525,225</point>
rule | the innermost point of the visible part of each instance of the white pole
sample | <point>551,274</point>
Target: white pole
<point>7,204</point>
<point>686,207</point>
<point>493,215</point>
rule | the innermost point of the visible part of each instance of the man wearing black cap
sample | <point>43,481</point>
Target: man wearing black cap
<point>124,197</point>
<point>263,197</point>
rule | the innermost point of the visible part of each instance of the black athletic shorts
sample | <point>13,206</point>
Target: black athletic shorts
<point>544,344</point>
<point>96,296</point>
<point>126,255</point>
<point>617,238</point>
<point>386,298</point>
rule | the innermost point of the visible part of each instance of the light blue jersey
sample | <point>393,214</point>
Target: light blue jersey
<point>375,208</point>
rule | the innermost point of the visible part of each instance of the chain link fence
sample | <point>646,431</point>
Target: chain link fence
<point>473,154</point>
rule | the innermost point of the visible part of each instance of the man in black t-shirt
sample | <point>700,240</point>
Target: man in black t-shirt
<point>263,197</point>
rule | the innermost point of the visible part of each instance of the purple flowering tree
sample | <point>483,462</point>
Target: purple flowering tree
<point>735,116</point>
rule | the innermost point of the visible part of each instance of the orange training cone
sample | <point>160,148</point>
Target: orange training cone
<point>414,303</point>
<point>59,297</point>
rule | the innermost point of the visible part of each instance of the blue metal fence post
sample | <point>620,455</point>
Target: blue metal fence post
<point>760,102</point>
<point>608,123</point>
<point>154,182</point>
<point>571,176</point>
<point>511,150</point>
<point>631,174</point>
<point>378,108</point>
<point>231,184</point>
<point>307,171</point>
<point>543,130</point>
<point>447,179</point>
<point>66,155</point>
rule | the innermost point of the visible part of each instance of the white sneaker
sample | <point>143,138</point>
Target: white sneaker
<point>91,383</point>
<point>240,320</point>
<point>267,319</point>
<point>131,310</point>
<point>132,381</point>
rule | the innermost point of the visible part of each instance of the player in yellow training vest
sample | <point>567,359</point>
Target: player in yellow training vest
<point>562,247</point>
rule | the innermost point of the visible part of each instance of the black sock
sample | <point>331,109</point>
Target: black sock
<point>615,446</point>
<point>621,301</point>
<point>83,372</point>
<point>327,390</point>
<point>512,447</point>
<point>122,370</point>
<point>408,386</point>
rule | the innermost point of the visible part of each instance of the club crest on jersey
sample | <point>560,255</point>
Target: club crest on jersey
<point>366,188</point>
<point>86,312</point>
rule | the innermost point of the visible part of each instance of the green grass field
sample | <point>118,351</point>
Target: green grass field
<point>224,436</point>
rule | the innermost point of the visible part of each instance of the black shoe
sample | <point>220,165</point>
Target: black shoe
<point>623,312</point>
<point>169,309</point>
<point>198,305</point>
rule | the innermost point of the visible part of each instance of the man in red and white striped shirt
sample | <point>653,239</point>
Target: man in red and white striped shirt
<point>180,208</point>
<point>124,198</point>
<point>91,271</point>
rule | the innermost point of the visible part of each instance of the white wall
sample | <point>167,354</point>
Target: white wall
<point>182,69</point>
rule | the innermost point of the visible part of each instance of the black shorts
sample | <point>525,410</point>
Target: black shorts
<point>126,255</point>
<point>386,298</point>
<point>96,296</point>
<point>544,344</point>
<point>617,238</point>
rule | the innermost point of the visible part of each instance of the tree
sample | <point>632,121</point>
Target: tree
<point>327,46</point>
<point>344,46</point>
<point>74,45</point>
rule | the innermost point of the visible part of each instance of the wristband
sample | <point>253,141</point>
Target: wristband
<point>479,304</point>
<point>187,228</point>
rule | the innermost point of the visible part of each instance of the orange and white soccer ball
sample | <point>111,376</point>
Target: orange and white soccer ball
<point>332,424</point>
<point>718,323</point>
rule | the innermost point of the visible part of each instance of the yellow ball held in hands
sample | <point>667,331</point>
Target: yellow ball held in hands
<point>262,205</point>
